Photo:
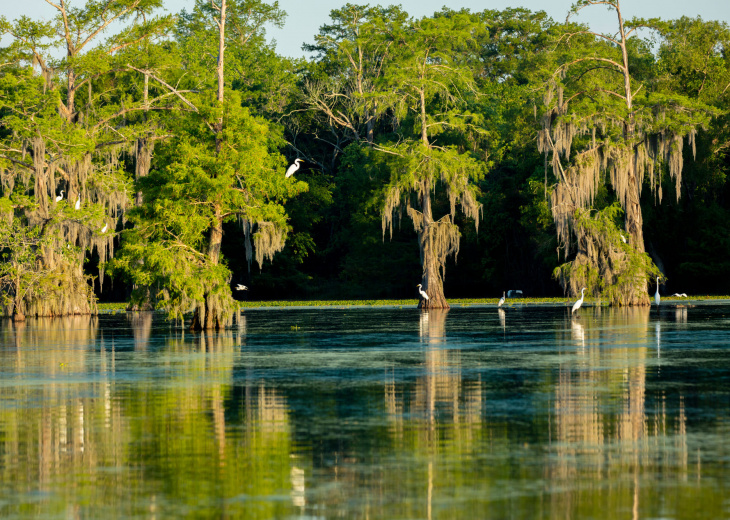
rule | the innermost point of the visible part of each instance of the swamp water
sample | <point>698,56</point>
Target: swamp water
<point>369,413</point>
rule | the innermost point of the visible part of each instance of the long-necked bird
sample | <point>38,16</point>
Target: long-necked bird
<point>293,168</point>
<point>577,304</point>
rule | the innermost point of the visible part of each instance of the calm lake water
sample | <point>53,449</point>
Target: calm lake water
<point>370,413</point>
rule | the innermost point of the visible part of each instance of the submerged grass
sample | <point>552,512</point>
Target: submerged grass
<point>455,302</point>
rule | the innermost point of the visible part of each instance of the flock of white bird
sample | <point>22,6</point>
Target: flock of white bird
<point>294,167</point>
<point>77,207</point>
<point>289,172</point>
<point>577,305</point>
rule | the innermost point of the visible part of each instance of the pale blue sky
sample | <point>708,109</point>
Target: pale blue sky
<point>306,16</point>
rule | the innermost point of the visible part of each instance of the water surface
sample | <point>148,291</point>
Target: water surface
<point>369,413</point>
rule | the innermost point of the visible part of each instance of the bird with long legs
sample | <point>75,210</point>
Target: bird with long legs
<point>657,298</point>
<point>422,292</point>
<point>578,304</point>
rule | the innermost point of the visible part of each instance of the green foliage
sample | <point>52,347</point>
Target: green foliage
<point>606,265</point>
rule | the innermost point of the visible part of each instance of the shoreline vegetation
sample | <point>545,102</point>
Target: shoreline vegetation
<point>173,159</point>
<point>456,302</point>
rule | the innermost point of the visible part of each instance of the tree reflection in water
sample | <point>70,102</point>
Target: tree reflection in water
<point>420,415</point>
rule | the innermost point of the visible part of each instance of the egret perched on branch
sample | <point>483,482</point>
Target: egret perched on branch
<point>240,287</point>
<point>501,300</point>
<point>422,292</point>
<point>77,206</point>
<point>577,304</point>
<point>657,298</point>
<point>293,168</point>
<point>60,197</point>
<point>103,230</point>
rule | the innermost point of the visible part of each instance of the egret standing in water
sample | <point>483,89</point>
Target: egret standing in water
<point>293,168</point>
<point>422,292</point>
<point>657,298</point>
<point>501,300</point>
<point>577,304</point>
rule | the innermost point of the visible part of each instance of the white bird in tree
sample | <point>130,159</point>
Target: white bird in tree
<point>240,287</point>
<point>577,304</point>
<point>103,230</point>
<point>623,238</point>
<point>60,197</point>
<point>293,168</point>
<point>657,298</point>
<point>422,292</point>
<point>77,206</point>
<point>501,300</point>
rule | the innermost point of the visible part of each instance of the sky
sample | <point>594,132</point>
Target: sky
<point>306,16</point>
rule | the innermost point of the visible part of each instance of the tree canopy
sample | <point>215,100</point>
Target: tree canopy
<point>151,147</point>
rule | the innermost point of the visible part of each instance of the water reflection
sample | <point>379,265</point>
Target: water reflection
<point>141,324</point>
<point>419,415</point>
<point>578,333</point>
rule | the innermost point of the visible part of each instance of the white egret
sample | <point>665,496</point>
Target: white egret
<point>77,206</point>
<point>60,197</point>
<point>501,300</point>
<point>623,238</point>
<point>577,304</point>
<point>680,295</point>
<point>422,292</point>
<point>103,230</point>
<point>657,298</point>
<point>293,168</point>
<point>240,287</point>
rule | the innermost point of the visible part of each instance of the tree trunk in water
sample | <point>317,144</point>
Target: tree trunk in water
<point>210,314</point>
<point>432,282</point>
<point>635,229</point>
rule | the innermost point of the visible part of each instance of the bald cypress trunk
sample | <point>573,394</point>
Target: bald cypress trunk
<point>432,282</point>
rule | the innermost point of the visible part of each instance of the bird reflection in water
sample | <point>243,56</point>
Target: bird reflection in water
<point>578,333</point>
<point>297,487</point>
<point>502,320</point>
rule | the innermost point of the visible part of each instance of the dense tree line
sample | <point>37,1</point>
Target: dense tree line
<point>142,157</point>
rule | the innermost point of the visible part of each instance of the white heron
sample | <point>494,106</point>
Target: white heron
<point>241,287</point>
<point>501,300</point>
<point>77,206</point>
<point>422,292</point>
<point>577,304</point>
<point>60,197</point>
<point>103,230</point>
<point>293,168</point>
<point>623,238</point>
<point>657,298</point>
<point>680,295</point>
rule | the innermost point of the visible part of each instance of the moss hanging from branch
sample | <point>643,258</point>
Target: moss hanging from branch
<point>605,264</point>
